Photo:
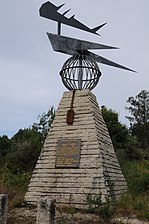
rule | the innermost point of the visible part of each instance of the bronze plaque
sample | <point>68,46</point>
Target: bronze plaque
<point>68,153</point>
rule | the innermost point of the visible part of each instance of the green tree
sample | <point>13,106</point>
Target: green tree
<point>5,146</point>
<point>44,122</point>
<point>139,119</point>
<point>25,149</point>
<point>124,143</point>
<point>26,144</point>
<point>118,132</point>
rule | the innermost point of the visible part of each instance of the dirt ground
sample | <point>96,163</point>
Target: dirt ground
<point>24,215</point>
<point>27,215</point>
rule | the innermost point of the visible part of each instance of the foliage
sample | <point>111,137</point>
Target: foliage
<point>133,205</point>
<point>27,134</point>
<point>44,122</point>
<point>16,180</point>
<point>137,176</point>
<point>5,146</point>
<point>18,157</point>
<point>25,149</point>
<point>141,207</point>
<point>136,201</point>
<point>124,205</point>
<point>130,152</point>
<point>20,153</point>
<point>139,119</point>
<point>96,205</point>
<point>125,144</point>
<point>118,132</point>
<point>15,185</point>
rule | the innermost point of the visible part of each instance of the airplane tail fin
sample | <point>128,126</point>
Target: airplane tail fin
<point>98,27</point>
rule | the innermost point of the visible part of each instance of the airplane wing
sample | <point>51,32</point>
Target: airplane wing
<point>105,61</point>
<point>63,43</point>
<point>68,45</point>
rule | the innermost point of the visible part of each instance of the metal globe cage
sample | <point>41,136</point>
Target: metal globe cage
<point>80,72</point>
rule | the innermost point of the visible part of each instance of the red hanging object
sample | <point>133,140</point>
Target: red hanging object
<point>70,112</point>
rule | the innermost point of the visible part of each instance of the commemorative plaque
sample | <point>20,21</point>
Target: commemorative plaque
<point>68,153</point>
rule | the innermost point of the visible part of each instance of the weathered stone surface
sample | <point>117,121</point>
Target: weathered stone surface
<point>3,208</point>
<point>46,211</point>
<point>99,170</point>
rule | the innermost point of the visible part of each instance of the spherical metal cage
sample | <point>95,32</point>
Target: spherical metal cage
<point>80,72</point>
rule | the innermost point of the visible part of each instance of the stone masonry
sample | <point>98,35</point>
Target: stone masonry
<point>99,170</point>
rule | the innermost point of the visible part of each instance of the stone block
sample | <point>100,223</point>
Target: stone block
<point>46,211</point>
<point>3,208</point>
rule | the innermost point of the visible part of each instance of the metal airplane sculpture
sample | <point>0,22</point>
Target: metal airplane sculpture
<point>50,11</point>
<point>69,45</point>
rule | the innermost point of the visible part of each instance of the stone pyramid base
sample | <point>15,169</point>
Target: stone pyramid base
<point>78,159</point>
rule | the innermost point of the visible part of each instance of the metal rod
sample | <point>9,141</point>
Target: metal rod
<point>80,75</point>
<point>59,28</point>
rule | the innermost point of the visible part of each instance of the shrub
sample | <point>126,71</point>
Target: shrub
<point>138,205</point>
<point>96,205</point>
<point>15,185</point>
<point>137,176</point>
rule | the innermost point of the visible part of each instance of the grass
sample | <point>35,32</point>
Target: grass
<point>15,185</point>
<point>136,202</point>
<point>136,206</point>
<point>141,207</point>
<point>137,176</point>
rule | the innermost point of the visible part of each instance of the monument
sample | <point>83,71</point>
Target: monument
<point>78,157</point>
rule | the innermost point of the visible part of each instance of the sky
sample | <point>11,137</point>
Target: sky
<point>29,69</point>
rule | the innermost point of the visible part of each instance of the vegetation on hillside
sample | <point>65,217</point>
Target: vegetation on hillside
<point>19,154</point>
